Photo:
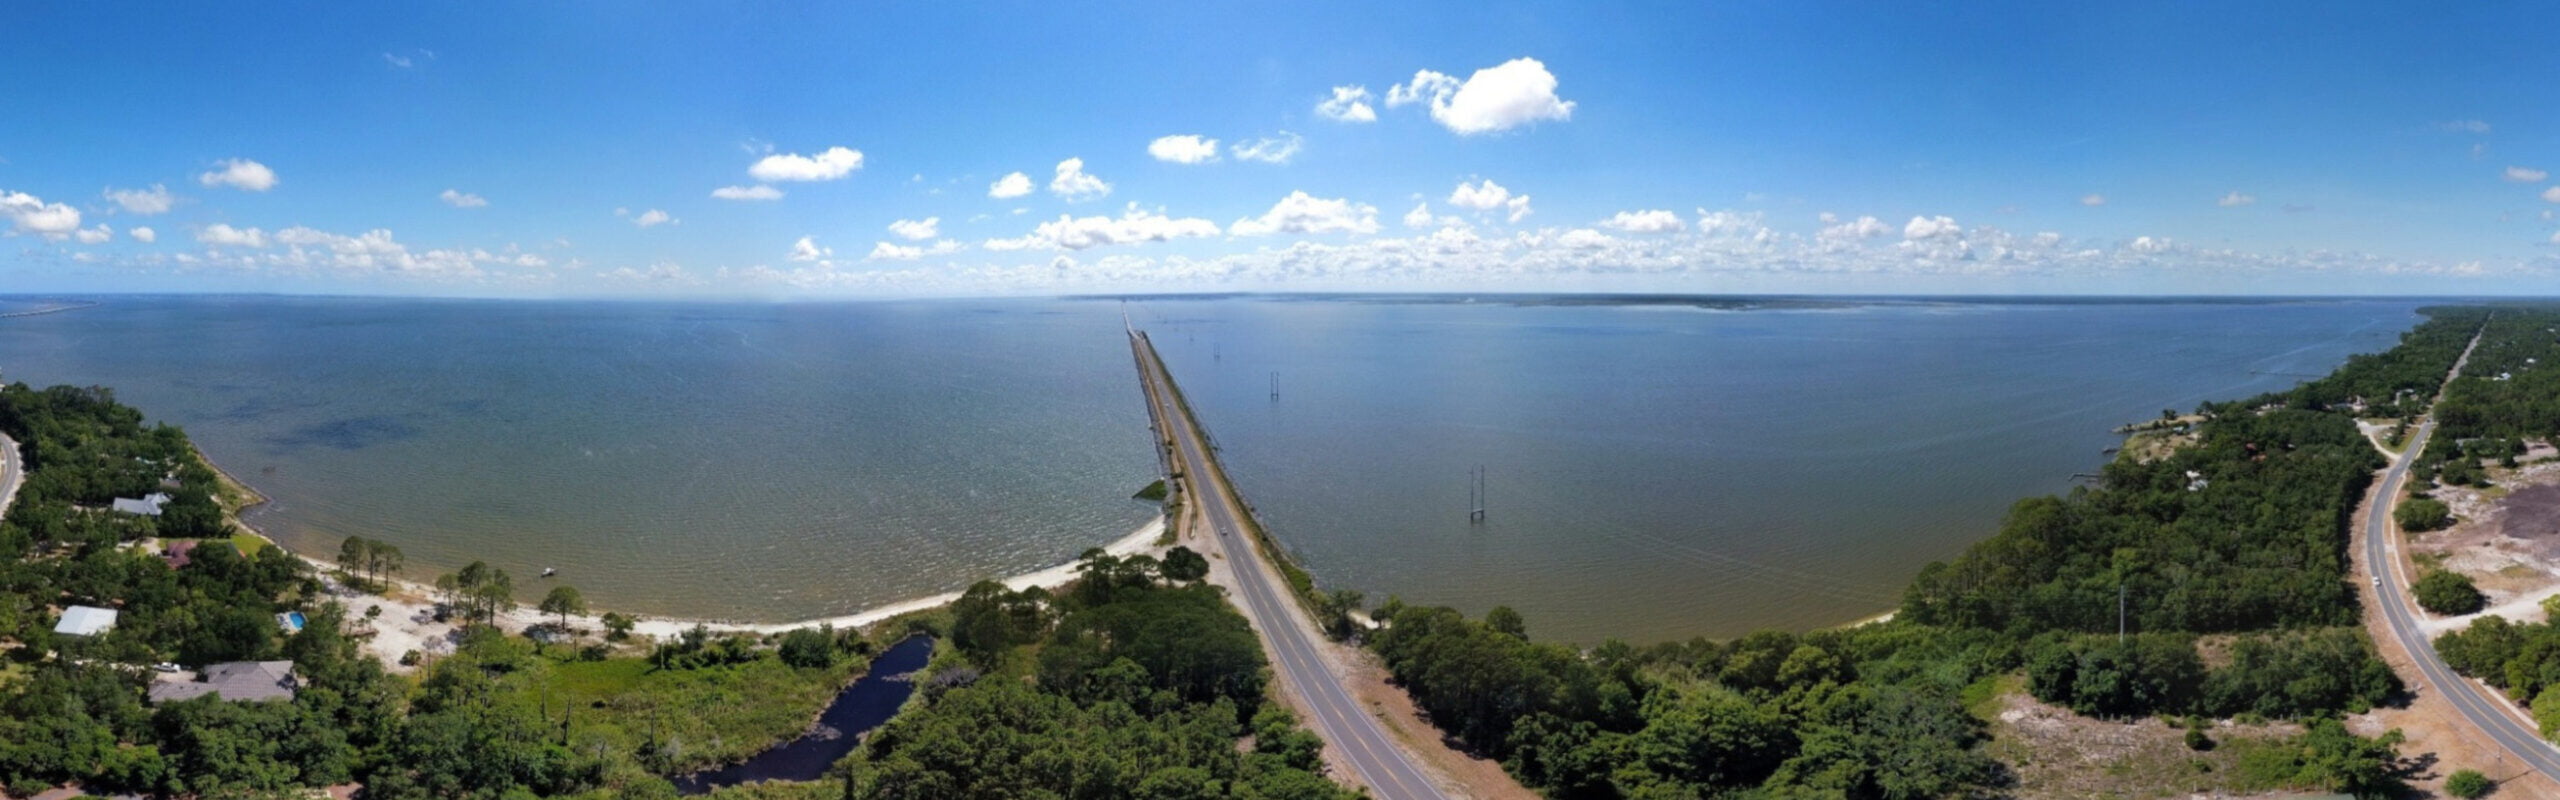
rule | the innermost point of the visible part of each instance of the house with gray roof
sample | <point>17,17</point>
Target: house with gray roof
<point>236,681</point>
<point>85,621</point>
<point>146,505</point>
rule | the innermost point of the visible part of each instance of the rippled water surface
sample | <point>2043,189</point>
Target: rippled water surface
<point>1654,471</point>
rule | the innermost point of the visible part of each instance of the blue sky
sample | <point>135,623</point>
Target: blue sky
<point>516,149</point>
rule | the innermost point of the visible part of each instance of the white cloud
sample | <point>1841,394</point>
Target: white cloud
<point>1184,149</point>
<point>1133,226</point>
<point>409,59</point>
<point>1302,213</point>
<point>155,200</point>
<point>1585,239</point>
<point>400,61</point>
<point>2093,200</point>
<point>1497,98</point>
<point>143,235</point>
<point>2526,174</point>
<point>240,173</point>
<point>1419,217</point>
<point>458,199</point>
<point>1653,221</point>
<point>221,235</point>
<point>1518,207</point>
<point>653,218</point>
<point>2464,126</point>
<point>97,235</point>
<point>1074,184</point>
<point>30,214</point>
<point>1348,104</point>
<point>1837,232</point>
<point>2552,194</point>
<point>2147,245</point>
<point>2236,198</point>
<point>885,251</point>
<point>1939,227</point>
<point>1482,196</point>
<point>833,163</point>
<point>1270,149</point>
<point>917,230</point>
<point>1010,186</point>
<point>807,250</point>
<point>747,193</point>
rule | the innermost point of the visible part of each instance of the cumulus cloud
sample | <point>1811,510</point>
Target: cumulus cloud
<point>143,235</point>
<point>1133,226</point>
<point>97,235</point>
<point>1303,213</point>
<point>1481,196</point>
<point>2552,194</point>
<point>30,214</point>
<point>1653,221</point>
<point>830,164</point>
<point>916,230</point>
<point>1010,186</point>
<point>458,199</point>
<point>2147,245</point>
<point>653,218</point>
<point>221,235</point>
<point>1270,149</point>
<point>1836,231</point>
<point>240,173</point>
<point>1498,98</point>
<point>1348,104</point>
<point>1939,227</point>
<point>2093,200</point>
<point>1184,149</point>
<point>886,251</point>
<point>2236,198</point>
<point>747,193</point>
<point>1419,217</point>
<point>2526,174</point>
<point>155,200</point>
<point>1074,184</point>
<point>807,250</point>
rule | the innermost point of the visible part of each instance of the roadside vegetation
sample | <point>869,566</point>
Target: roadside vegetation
<point>2239,534</point>
<point>1137,680</point>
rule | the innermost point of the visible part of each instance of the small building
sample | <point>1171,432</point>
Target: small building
<point>236,681</point>
<point>147,505</point>
<point>177,551</point>
<point>85,621</point>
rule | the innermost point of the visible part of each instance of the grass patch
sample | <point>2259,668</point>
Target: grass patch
<point>1982,698</point>
<point>250,543</point>
<point>698,718</point>
<point>1153,493</point>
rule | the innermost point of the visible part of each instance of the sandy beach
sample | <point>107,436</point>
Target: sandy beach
<point>407,621</point>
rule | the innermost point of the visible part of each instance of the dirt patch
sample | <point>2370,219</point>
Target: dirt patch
<point>2057,754</point>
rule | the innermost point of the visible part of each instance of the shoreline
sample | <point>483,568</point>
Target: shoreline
<point>415,596</point>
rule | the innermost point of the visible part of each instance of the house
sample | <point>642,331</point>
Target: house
<point>236,681</point>
<point>176,553</point>
<point>148,505</point>
<point>85,621</point>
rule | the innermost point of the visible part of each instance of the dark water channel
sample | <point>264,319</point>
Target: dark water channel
<point>870,701</point>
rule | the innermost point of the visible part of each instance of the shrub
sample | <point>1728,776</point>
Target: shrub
<point>2448,592</point>
<point>2467,784</point>
<point>2422,514</point>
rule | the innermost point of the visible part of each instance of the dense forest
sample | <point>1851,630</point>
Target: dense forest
<point>2241,535</point>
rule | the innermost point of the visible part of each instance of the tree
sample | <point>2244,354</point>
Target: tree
<point>2445,591</point>
<point>355,555</point>
<point>2422,514</point>
<point>2468,784</point>
<point>479,591</point>
<point>562,602</point>
<point>1504,620</point>
<point>618,625</point>
<point>809,647</point>
<point>1182,565</point>
<point>386,561</point>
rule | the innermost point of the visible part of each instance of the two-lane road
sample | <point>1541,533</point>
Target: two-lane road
<point>1333,713</point>
<point>2488,713</point>
<point>12,472</point>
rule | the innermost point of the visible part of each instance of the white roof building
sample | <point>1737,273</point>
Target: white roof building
<point>85,621</point>
<point>147,505</point>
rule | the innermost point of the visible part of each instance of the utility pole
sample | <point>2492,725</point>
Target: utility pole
<point>1475,495</point>
<point>1275,387</point>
